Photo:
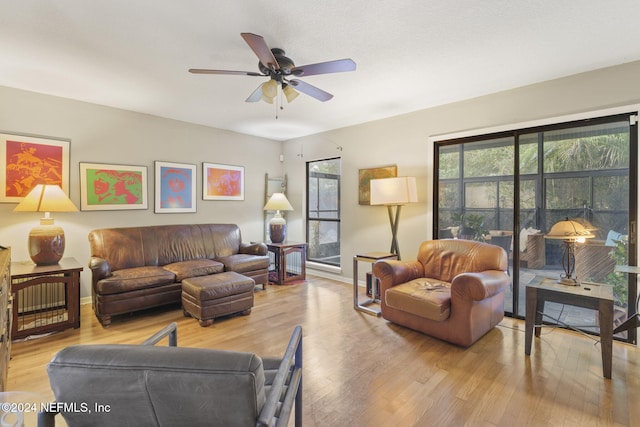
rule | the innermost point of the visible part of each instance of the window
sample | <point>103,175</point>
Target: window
<point>323,211</point>
<point>509,189</point>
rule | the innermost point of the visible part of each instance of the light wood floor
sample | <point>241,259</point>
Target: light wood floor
<point>360,370</point>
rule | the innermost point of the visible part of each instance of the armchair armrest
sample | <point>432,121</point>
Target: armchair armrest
<point>257,248</point>
<point>286,389</point>
<point>393,272</point>
<point>99,268</point>
<point>479,286</point>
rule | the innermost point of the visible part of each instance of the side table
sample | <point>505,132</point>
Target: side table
<point>370,257</point>
<point>287,262</point>
<point>46,298</point>
<point>587,295</point>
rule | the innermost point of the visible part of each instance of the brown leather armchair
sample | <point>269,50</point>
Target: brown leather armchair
<point>453,291</point>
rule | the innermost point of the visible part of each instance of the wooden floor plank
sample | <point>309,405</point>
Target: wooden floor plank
<point>364,371</point>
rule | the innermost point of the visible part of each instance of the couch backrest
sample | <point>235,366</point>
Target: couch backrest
<point>446,258</point>
<point>129,247</point>
<point>163,386</point>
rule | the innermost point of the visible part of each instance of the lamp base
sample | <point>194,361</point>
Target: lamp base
<point>46,244</point>
<point>277,232</point>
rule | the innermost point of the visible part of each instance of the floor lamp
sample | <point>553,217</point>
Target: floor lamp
<point>570,232</point>
<point>393,193</point>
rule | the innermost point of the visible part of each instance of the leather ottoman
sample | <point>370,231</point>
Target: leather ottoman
<point>215,295</point>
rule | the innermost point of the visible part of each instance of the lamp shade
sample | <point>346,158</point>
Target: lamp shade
<point>46,198</point>
<point>278,202</point>
<point>393,191</point>
<point>567,229</point>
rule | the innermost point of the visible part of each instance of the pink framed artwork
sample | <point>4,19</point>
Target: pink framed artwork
<point>112,187</point>
<point>29,160</point>
<point>222,182</point>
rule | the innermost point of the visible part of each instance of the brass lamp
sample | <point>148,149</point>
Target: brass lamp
<point>278,226</point>
<point>394,192</point>
<point>46,241</point>
<point>569,232</point>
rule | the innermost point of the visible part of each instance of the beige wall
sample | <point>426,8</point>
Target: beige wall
<point>406,141</point>
<point>107,135</point>
<point>102,134</point>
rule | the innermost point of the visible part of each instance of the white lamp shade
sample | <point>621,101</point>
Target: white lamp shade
<point>46,198</point>
<point>568,230</point>
<point>393,191</point>
<point>278,202</point>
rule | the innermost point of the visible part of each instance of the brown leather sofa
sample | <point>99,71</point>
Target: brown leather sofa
<point>453,291</point>
<point>136,268</point>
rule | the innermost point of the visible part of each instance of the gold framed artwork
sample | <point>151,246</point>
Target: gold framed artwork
<point>366,175</point>
<point>26,161</point>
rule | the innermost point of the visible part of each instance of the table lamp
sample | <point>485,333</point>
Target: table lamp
<point>394,192</point>
<point>569,232</point>
<point>46,241</point>
<point>278,226</point>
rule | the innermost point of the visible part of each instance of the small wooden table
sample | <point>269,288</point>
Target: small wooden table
<point>587,295</point>
<point>288,262</point>
<point>46,298</point>
<point>370,257</point>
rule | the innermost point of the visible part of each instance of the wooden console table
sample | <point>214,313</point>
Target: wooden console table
<point>46,298</point>
<point>288,262</point>
<point>587,295</point>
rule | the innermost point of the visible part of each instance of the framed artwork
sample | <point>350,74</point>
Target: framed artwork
<point>106,187</point>
<point>29,160</point>
<point>175,187</point>
<point>366,175</point>
<point>222,182</point>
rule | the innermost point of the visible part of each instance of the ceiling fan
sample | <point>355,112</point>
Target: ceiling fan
<point>281,72</point>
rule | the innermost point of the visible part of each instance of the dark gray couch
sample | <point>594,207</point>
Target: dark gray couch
<point>146,385</point>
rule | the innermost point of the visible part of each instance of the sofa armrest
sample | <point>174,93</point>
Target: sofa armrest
<point>256,248</point>
<point>99,267</point>
<point>479,286</point>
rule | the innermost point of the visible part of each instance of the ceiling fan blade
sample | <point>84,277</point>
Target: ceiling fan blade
<point>237,73</point>
<point>256,95</point>
<point>310,90</point>
<point>262,51</point>
<point>337,66</point>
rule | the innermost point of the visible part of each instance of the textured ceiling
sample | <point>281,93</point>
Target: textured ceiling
<point>410,54</point>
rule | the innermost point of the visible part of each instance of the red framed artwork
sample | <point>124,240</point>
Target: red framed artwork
<point>29,160</point>
<point>222,182</point>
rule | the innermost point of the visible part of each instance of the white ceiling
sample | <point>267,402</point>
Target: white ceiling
<point>410,54</point>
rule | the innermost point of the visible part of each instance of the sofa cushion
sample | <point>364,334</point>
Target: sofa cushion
<point>194,268</point>
<point>131,279</point>
<point>428,298</point>
<point>241,263</point>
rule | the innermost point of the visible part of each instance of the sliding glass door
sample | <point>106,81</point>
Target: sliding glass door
<point>509,189</point>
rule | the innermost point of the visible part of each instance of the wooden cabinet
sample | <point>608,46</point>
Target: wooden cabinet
<point>287,262</point>
<point>5,315</point>
<point>46,298</point>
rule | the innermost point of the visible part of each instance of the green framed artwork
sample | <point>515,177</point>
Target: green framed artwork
<point>366,175</point>
<point>112,187</point>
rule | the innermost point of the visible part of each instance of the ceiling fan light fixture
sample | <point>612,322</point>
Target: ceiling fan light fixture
<point>289,93</point>
<point>269,91</point>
